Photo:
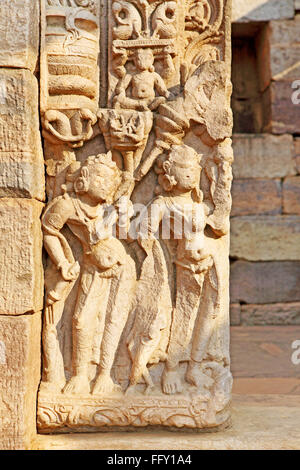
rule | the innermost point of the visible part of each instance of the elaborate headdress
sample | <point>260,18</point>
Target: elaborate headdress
<point>78,172</point>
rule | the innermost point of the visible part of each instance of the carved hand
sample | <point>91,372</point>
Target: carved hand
<point>70,271</point>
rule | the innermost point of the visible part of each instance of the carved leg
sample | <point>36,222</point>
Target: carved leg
<point>139,153</point>
<point>117,158</point>
<point>157,102</point>
<point>128,162</point>
<point>53,377</point>
<point>122,290</point>
<point>203,331</point>
<point>189,287</point>
<point>53,373</point>
<point>84,321</point>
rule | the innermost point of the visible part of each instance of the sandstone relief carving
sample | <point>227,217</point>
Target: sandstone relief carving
<point>136,228</point>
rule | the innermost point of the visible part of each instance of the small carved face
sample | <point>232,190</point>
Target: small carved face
<point>103,182</point>
<point>187,175</point>
<point>144,59</point>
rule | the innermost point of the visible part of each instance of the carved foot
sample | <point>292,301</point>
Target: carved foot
<point>195,376</point>
<point>77,384</point>
<point>171,382</point>
<point>131,390</point>
<point>51,387</point>
<point>149,390</point>
<point>105,384</point>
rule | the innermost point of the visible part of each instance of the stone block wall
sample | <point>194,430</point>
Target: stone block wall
<point>265,224</point>
<point>22,192</point>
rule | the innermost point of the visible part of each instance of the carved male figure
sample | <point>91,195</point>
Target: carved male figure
<point>143,85</point>
<point>106,270</point>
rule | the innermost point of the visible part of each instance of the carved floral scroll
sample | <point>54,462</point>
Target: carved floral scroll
<point>136,229</point>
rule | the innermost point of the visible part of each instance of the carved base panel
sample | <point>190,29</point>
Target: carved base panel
<point>61,413</point>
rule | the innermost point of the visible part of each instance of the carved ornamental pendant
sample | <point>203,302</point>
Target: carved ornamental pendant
<point>135,108</point>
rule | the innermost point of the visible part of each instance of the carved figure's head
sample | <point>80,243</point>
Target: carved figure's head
<point>144,59</point>
<point>181,170</point>
<point>98,177</point>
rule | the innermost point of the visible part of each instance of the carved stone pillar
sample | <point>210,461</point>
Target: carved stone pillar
<point>138,153</point>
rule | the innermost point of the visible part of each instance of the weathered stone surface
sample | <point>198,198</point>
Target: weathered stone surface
<point>21,158</point>
<point>271,314</point>
<point>235,314</point>
<point>265,238</point>
<point>19,33</point>
<point>284,46</point>
<point>282,65</point>
<point>297,154</point>
<point>262,51</point>
<point>244,67</point>
<point>261,10</point>
<point>250,55</point>
<point>263,156</point>
<point>248,115</point>
<point>267,386</point>
<point>263,283</point>
<point>21,280</point>
<point>284,116</point>
<point>267,351</point>
<point>291,195</point>
<point>297,146</point>
<point>20,362</point>
<point>253,196</point>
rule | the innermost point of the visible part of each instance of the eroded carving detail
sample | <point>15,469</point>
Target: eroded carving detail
<point>136,316</point>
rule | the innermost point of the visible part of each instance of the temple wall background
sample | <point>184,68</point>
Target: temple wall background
<point>265,239</point>
<point>265,224</point>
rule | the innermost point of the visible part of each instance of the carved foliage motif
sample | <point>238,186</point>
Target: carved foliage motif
<point>136,306</point>
<point>136,412</point>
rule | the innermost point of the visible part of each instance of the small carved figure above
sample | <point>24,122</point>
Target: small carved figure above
<point>142,84</point>
<point>126,128</point>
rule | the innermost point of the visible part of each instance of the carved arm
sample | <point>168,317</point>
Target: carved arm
<point>55,243</point>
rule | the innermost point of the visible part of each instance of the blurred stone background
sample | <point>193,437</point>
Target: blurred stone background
<point>265,224</point>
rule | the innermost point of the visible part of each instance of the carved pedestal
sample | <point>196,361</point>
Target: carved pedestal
<point>136,229</point>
